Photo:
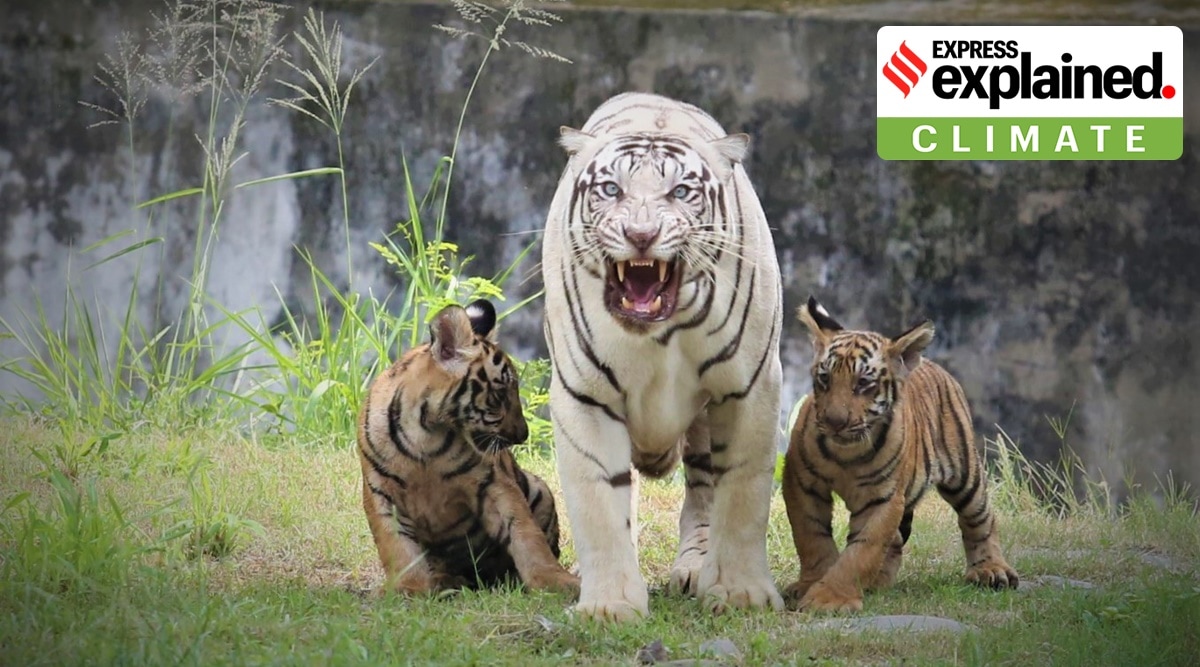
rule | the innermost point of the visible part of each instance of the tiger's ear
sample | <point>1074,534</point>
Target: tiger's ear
<point>819,322</point>
<point>572,140</point>
<point>907,347</point>
<point>732,147</point>
<point>483,318</point>
<point>451,334</point>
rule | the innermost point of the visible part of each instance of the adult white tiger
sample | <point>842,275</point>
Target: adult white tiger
<point>663,315</point>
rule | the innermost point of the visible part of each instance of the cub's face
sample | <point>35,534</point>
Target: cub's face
<point>488,406</point>
<point>645,216</point>
<point>857,375</point>
<point>852,385</point>
<point>476,393</point>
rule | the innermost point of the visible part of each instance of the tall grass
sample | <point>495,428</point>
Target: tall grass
<point>99,371</point>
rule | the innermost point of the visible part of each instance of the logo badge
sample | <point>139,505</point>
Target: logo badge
<point>1029,93</point>
<point>900,71</point>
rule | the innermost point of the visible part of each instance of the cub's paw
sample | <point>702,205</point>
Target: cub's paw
<point>794,592</point>
<point>826,598</point>
<point>994,574</point>
<point>554,579</point>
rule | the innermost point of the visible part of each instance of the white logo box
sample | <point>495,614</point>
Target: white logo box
<point>1103,46</point>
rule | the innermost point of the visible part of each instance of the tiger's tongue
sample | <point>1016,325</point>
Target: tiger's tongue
<point>641,286</point>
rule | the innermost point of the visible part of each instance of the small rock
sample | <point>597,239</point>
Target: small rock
<point>890,623</point>
<point>1030,583</point>
<point>1158,560</point>
<point>652,653</point>
<point>720,648</point>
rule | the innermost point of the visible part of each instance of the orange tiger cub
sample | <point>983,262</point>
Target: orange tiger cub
<point>447,505</point>
<point>881,427</point>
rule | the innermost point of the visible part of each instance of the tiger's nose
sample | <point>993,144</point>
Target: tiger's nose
<point>641,238</point>
<point>836,420</point>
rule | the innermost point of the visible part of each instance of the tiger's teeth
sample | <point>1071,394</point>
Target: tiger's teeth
<point>626,303</point>
<point>620,272</point>
<point>662,272</point>
<point>657,305</point>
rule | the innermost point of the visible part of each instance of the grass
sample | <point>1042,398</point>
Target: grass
<point>101,565</point>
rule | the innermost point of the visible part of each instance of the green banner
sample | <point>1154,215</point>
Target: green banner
<point>1030,138</point>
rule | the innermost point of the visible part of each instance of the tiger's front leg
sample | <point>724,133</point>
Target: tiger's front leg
<point>735,572</point>
<point>508,519</point>
<point>593,452</point>
<point>873,530</point>
<point>695,517</point>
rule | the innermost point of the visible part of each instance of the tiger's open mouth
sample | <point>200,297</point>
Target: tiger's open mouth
<point>645,290</point>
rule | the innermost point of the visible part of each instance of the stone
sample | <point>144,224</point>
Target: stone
<point>906,623</point>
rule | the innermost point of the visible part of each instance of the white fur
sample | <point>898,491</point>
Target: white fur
<point>662,389</point>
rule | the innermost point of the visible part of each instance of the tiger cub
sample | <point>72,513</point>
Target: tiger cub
<point>447,505</point>
<point>882,425</point>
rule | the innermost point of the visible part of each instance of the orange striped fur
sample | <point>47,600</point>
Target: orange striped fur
<point>447,505</point>
<point>881,427</point>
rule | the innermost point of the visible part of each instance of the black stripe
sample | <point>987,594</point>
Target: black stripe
<point>882,472</point>
<point>737,281</point>
<point>446,445</point>
<point>905,527</point>
<point>586,454</point>
<point>696,319</point>
<point>463,468</point>
<point>621,479</point>
<point>395,430</point>
<point>961,503</point>
<point>585,336</point>
<point>702,462</point>
<point>739,395</point>
<point>874,502</point>
<point>586,399</point>
<point>380,470</point>
<point>732,346</point>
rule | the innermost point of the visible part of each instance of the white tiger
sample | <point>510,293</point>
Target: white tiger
<point>663,316</point>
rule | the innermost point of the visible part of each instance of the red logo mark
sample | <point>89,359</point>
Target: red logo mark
<point>901,73</point>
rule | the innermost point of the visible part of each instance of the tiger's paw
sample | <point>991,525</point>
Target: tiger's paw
<point>685,574</point>
<point>827,598</point>
<point>614,601</point>
<point>995,574</point>
<point>612,611</point>
<point>794,592</point>
<point>737,590</point>
<point>554,579</point>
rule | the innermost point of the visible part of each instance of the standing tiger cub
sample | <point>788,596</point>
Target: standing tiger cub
<point>882,426</point>
<point>447,505</point>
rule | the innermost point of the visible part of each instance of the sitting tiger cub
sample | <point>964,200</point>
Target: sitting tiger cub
<point>882,425</point>
<point>446,502</point>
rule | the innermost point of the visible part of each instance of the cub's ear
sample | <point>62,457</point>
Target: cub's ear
<point>483,318</point>
<point>907,347</point>
<point>818,321</point>
<point>572,140</point>
<point>732,147</point>
<point>451,333</point>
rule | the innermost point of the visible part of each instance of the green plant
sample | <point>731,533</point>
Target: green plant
<point>212,530</point>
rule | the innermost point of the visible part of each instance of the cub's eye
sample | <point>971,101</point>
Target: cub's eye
<point>680,191</point>
<point>610,189</point>
<point>864,385</point>
<point>821,379</point>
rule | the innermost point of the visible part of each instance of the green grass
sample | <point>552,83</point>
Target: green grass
<point>101,566</point>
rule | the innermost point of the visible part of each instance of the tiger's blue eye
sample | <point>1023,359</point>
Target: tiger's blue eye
<point>680,191</point>
<point>610,189</point>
